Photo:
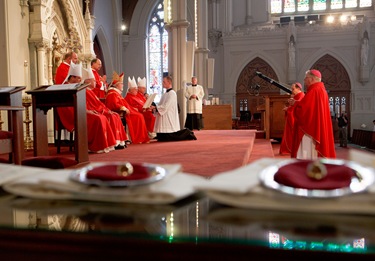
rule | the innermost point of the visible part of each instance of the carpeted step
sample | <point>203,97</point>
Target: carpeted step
<point>260,134</point>
<point>261,148</point>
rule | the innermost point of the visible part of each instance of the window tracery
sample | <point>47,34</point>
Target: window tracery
<point>157,51</point>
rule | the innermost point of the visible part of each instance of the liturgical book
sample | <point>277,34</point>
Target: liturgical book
<point>149,101</point>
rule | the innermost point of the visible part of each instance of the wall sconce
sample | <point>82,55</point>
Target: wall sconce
<point>123,27</point>
<point>167,11</point>
<point>343,18</point>
<point>330,19</point>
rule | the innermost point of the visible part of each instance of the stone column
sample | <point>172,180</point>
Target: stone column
<point>249,17</point>
<point>177,31</point>
<point>214,34</point>
<point>228,26</point>
<point>49,58</point>
<point>89,43</point>
<point>41,50</point>
<point>201,54</point>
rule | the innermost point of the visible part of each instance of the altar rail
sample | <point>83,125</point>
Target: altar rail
<point>364,138</point>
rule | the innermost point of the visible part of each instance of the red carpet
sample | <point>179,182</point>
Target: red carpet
<point>213,152</point>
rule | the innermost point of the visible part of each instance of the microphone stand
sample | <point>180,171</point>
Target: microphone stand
<point>273,82</point>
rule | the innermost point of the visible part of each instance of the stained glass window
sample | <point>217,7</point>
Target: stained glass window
<point>319,5</point>
<point>292,6</point>
<point>276,6</point>
<point>303,5</point>
<point>350,3</point>
<point>365,3</point>
<point>157,51</point>
<point>289,6</point>
<point>336,4</point>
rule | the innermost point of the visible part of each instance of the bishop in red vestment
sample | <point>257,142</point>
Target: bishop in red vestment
<point>313,136</point>
<point>134,119</point>
<point>101,135</point>
<point>137,100</point>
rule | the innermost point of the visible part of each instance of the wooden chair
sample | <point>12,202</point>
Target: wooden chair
<point>59,128</point>
<point>11,141</point>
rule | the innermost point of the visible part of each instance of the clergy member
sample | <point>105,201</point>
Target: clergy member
<point>194,95</point>
<point>134,119</point>
<point>100,137</point>
<point>287,140</point>
<point>313,130</point>
<point>167,124</point>
<point>63,69</point>
<point>94,105</point>
<point>101,86</point>
<point>136,101</point>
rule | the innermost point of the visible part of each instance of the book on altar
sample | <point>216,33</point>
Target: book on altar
<point>63,86</point>
<point>149,101</point>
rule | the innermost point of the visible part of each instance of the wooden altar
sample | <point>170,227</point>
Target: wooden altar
<point>217,117</point>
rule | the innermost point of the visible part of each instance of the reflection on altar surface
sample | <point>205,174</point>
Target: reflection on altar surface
<point>196,220</point>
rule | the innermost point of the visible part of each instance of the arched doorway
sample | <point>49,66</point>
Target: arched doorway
<point>99,54</point>
<point>251,90</point>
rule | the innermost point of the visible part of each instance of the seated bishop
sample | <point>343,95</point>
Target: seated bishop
<point>134,119</point>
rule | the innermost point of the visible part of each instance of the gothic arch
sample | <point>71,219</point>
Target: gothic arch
<point>141,17</point>
<point>104,55</point>
<point>335,76</point>
<point>62,22</point>
<point>248,79</point>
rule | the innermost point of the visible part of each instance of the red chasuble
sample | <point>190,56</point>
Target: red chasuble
<point>94,104</point>
<point>61,73</point>
<point>313,118</point>
<point>137,102</point>
<point>287,140</point>
<point>100,134</point>
<point>134,120</point>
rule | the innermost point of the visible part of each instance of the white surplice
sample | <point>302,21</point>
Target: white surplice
<point>167,120</point>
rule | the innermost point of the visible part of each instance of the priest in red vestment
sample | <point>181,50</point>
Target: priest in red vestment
<point>137,100</point>
<point>313,136</point>
<point>287,140</point>
<point>134,119</point>
<point>101,86</point>
<point>63,69</point>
